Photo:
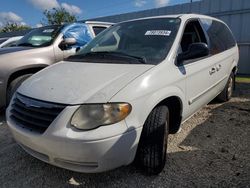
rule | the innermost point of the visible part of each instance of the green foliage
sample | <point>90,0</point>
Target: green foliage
<point>57,16</point>
<point>243,79</point>
<point>9,26</point>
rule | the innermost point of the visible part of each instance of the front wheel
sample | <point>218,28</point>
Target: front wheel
<point>151,152</point>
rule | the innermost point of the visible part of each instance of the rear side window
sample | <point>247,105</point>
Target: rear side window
<point>98,29</point>
<point>220,36</point>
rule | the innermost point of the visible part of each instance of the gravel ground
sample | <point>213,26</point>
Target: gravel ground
<point>212,150</point>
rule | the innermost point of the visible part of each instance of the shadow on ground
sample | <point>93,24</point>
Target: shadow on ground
<point>215,152</point>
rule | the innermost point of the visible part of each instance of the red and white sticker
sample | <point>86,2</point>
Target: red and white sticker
<point>158,32</point>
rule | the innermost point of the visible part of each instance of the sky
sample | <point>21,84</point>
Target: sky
<point>30,12</point>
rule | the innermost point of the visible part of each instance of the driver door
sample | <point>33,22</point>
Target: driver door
<point>199,78</point>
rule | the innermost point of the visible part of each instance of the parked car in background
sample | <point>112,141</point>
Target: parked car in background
<point>10,42</point>
<point>3,40</point>
<point>118,98</point>
<point>38,49</point>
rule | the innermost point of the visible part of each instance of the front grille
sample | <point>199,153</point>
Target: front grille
<point>32,114</point>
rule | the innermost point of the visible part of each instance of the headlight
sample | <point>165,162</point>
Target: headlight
<point>95,115</point>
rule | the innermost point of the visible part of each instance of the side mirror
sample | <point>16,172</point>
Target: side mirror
<point>195,50</point>
<point>66,43</point>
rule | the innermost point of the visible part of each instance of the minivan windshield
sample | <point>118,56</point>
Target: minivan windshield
<point>40,37</point>
<point>145,41</point>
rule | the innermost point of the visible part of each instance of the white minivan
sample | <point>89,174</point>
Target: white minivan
<point>117,100</point>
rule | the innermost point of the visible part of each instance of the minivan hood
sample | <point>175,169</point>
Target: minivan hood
<point>77,83</point>
<point>13,49</point>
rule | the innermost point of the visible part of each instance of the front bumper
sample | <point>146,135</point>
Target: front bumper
<point>92,151</point>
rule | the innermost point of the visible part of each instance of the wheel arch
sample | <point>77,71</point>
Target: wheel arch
<point>175,107</point>
<point>173,97</point>
<point>234,70</point>
<point>174,102</point>
<point>23,71</point>
<point>19,72</point>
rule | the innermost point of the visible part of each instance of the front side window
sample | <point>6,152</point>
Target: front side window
<point>193,33</point>
<point>220,36</point>
<point>40,37</point>
<point>149,40</point>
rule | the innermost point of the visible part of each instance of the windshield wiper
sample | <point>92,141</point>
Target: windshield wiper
<point>141,59</point>
<point>119,54</point>
<point>25,44</point>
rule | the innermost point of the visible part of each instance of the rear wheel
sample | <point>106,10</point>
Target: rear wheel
<point>151,152</point>
<point>14,85</point>
<point>227,93</point>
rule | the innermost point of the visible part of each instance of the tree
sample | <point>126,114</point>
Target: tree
<point>57,16</point>
<point>9,26</point>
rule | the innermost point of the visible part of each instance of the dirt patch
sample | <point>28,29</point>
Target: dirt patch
<point>212,149</point>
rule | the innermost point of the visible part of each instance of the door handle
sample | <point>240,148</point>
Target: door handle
<point>212,71</point>
<point>218,67</point>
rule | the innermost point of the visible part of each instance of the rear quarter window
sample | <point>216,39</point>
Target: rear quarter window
<point>220,37</point>
<point>98,29</point>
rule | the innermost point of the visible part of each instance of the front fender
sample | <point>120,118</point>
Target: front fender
<point>5,80</point>
<point>143,105</point>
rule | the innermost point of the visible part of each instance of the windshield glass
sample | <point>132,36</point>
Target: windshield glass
<point>145,41</point>
<point>40,37</point>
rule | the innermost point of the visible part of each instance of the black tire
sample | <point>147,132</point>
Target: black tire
<point>14,85</point>
<point>151,152</point>
<point>227,92</point>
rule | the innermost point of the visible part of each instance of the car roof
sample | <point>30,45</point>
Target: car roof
<point>182,16</point>
<point>190,16</point>
<point>98,22</point>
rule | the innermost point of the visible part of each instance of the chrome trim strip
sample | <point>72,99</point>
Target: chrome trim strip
<point>30,102</point>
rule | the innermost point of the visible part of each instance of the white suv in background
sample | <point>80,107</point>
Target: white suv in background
<point>117,99</point>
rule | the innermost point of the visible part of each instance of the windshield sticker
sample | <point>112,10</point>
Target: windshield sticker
<point>159,32</point>
<point>48,30</point>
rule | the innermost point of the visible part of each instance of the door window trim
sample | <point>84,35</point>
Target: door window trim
<point>179,43</point>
